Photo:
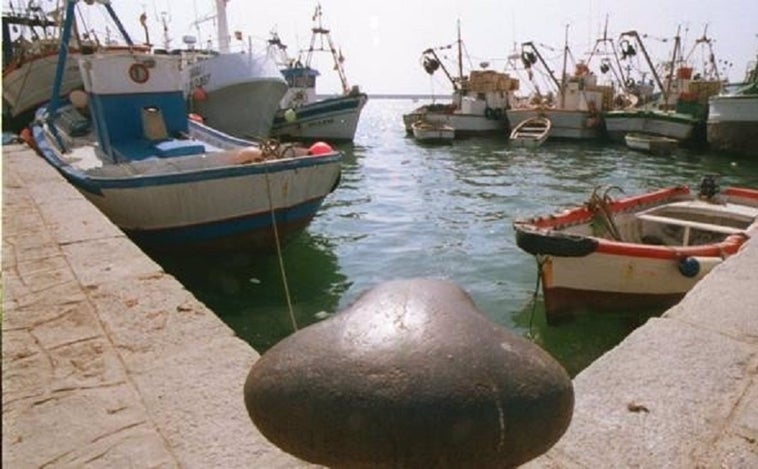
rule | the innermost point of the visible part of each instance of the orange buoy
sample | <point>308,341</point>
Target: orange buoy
<point>195,117</point>
<point>26,136</point>
<point>199,94</point>
<point>320,148</point>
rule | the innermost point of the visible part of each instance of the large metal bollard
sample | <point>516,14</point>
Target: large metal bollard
<point>410,375</point>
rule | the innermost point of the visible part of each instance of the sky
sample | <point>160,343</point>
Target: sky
<point>382,40</point>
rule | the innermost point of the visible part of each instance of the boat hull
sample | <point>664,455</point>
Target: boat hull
<point>653,144</point>
<point>672,125</point>
<point>332,119</point>
<point>208,208</point>
<point>733,124</point>
<point>434,134</point>
<point>565,124</point>
<point>241,93</point>
<point>615,282</point>
<point>665,242</point>
<point>465,125</point>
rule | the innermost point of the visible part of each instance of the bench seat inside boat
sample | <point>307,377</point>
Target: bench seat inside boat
<point>687,223</point>
<point>142,149</point>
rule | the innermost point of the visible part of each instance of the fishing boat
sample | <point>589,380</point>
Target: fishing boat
<point>478,102</point>
<point>680,110</point>
<point>31,37</point>
<point>235,91</point>
<point>636,253</point>
<point>531,133</point>
<point>650,143</point>
<point>574,108</point>
<point>733,116</point>
<point>302,114</point>
<point>433,132</point>
<point>168,181</point>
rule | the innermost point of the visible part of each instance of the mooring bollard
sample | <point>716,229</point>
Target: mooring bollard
<point>410,375</point>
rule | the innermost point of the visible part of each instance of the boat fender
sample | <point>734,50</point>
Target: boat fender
<point>498,114</point>
<point>319,148</point>
<point>489,113</point>
<point>689,267</point>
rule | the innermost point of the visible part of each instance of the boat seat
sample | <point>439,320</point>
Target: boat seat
<point>689,224</point>
<point>174,147</point>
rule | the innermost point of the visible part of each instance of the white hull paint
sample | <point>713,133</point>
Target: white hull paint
<point>331,119</point>
<point>242,91</point>
<point>433,133</point>
<point>464,124</point>
<point>667,125</point>
<point>733,124</point>
<point>28,87</point>
<point>200,202</point>
<point>611,274</point>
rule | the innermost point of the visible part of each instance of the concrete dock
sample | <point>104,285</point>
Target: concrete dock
<point>110,362</point>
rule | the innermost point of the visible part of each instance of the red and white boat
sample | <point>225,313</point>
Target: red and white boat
<point>637,253</point>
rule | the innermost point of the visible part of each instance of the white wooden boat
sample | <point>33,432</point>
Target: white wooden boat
<point>302,114</point>
<point>169,182</point>
<point>531,133</point>
<point>433,132</point>
<point>637,253</point>
<point>649,143</point>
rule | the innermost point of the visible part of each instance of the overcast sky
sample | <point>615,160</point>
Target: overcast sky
<point>382,40</point>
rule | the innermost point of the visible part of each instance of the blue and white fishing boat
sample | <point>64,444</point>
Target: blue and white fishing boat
<point>164,179</point>
<point>302,114</point>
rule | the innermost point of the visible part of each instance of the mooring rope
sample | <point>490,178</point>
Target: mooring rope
<point>540,261</point>
<point>279,249</point>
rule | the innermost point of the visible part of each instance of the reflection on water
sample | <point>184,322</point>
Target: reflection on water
<point>405,210</point>
<point>247,291</point>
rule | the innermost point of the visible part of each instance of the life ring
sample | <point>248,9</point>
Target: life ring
<point>139,73</point>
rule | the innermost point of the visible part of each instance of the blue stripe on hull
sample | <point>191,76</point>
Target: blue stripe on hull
<point>255,230</point>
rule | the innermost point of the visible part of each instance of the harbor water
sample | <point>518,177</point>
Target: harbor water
<point>406,210</point>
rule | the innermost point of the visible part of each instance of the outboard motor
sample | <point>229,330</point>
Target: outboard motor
<point>708,186</point>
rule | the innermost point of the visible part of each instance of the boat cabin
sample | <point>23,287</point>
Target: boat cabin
<point>137,106</point>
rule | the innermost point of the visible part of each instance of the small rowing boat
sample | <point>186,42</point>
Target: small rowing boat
<point>649,143</point>
<point>638,253</point>
<point>531,133</point>
<point>432,132</point>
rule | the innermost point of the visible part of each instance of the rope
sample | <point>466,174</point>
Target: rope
<point>540,261</point>
<point>279,253</point>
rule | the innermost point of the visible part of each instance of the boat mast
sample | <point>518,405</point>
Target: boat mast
<point>563,76</point>
<point>605,40</point>
<point>671,68</point>
<point>223,27</point>
<point>550,73</point>
<point>636,36</point>
<point>320,31</point>
<point>460,53</point>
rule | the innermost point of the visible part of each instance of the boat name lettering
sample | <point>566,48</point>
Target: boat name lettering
<point>320,122</point>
